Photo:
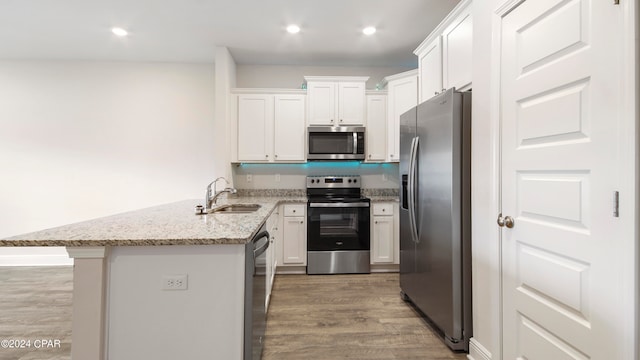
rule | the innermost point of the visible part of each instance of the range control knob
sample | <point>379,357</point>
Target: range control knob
<point>349,180</point>
<point>355,180</point>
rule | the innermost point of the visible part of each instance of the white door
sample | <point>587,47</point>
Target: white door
<point>290,128</point>
<point>255,129</point>
<point>322,103</point>
<point>382,243</point>
<point>294,241</point>
<point>351,103</point>
<point>430,68</point>
<point>562,287</point>
<point>403,95</point>
<point>376,127</point>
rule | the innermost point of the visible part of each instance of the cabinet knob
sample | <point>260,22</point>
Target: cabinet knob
<point>383,210</point>
<point>375,222</point>
<point>332,120</point>
<point>390,155</point>
<point>275,155</point>
<point>369,156</point>
<point>266,156</point>
<point>301,222</point>
<point>340,120</point>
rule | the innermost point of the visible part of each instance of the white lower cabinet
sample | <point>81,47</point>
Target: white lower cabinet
<point>293,251</point>
<point>384,234</point>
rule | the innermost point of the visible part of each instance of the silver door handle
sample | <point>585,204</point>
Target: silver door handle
<point>412,190</point>
<point>506,221</point>
<point>339,205</point>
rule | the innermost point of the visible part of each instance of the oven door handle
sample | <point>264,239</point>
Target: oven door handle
<point>340,205</point>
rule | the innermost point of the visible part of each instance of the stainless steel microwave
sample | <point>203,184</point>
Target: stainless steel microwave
<point>336,143</point>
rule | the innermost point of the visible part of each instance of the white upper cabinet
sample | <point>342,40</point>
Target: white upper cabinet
<point>430,70</point>
<point>289,125</point>
<point>376,137</point>
<point>255,127</point>
<point>445,56</point>
<point>271,127</point>
<point>402,95</point>
<point>457,45</point>
<point>322,101</point>
<point>338,100</point>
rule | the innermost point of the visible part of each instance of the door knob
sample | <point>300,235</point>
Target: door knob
<point>506,221</point>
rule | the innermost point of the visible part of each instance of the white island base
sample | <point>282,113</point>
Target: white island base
<point>120,310</point>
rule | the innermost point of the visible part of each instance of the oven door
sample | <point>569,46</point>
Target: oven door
<point>335,226</point>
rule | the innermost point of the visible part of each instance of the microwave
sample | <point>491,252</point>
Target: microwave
<point>336,143</point>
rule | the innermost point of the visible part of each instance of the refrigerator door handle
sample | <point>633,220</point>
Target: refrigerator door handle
<point>412,189</point>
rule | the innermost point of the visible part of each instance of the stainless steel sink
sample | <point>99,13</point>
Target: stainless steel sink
<point>235,209</point>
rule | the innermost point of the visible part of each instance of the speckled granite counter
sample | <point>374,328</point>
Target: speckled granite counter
<point>169,224</point>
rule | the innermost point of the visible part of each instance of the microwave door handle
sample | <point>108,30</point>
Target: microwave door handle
<point>355,143</point>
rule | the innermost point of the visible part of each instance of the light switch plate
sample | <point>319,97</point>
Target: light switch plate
<point>249,178</point>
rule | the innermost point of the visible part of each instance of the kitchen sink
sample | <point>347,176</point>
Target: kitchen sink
<point>235,209</point>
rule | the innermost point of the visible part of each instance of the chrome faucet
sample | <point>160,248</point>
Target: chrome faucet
<point>210,200</point>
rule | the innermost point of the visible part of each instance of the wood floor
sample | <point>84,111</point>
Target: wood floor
<point>35,304</point>
<point>346,317</point>
<point>311,317</point>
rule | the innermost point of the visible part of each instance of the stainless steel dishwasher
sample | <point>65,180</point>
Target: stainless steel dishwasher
<point>255,317</point>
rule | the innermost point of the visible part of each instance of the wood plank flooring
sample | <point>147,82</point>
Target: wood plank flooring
<point>346,317</point>
<point>35,304</point>
<point>311,317</point>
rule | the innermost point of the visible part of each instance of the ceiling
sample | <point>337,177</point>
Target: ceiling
<point>189,30</point>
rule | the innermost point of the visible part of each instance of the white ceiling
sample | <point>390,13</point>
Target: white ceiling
<point>189,30</point>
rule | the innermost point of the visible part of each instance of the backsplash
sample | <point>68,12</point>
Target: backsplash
<point>293,176</point>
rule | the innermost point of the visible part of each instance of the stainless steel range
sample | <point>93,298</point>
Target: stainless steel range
<point>337,226</point>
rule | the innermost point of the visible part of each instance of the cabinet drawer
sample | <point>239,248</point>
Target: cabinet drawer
<point>382,209</point>
<point>294,210</point>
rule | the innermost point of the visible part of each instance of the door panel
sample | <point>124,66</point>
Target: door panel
<point>559,134</point>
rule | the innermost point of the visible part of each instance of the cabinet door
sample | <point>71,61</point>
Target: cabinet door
<point>457,48</point>
<point>294,241</point>
<point>403,95</point>
<point>322,103</point>
<point>289,127</point>
<point>430,70</point>
<point>255,132</point>
<point>351,103</point>
<point>376,140</point>
<point>383,240</point>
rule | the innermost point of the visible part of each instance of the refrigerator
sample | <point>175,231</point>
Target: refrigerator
<point>435,214</point>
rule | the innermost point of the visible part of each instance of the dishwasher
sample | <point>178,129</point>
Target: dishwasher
<point>255,317</point>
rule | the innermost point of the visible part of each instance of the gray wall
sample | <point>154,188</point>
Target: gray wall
<point>291,77</point>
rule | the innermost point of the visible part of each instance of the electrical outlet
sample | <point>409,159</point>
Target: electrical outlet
<point>174,282</point>
<point>384,177</point>
<point>277,177</point>
<point>249,178</point>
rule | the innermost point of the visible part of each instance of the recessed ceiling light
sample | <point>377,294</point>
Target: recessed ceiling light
<point>119,31</point>
<point>293,29</point>
<point>369,30</point>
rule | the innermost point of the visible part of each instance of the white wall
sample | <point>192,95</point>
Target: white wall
<point>80,140</point>
<point>292,77</point>
<point>486,246</point>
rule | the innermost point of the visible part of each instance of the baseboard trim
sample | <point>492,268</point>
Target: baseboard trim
<point>35,260</point>
<point>477,351</point>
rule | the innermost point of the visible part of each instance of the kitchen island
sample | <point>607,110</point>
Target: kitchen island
<point>121,307</point>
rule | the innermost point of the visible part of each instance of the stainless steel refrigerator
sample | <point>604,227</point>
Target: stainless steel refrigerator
<point>435,213</point>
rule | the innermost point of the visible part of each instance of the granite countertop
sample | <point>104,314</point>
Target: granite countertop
<point>169,224</point>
